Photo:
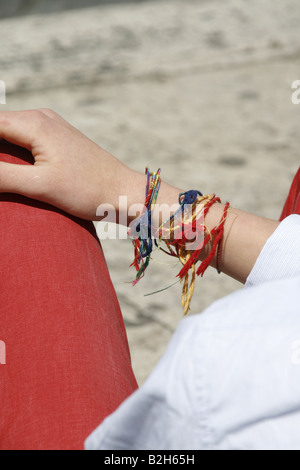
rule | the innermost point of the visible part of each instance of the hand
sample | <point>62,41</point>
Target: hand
<point>70,171</point>
<point>74,174</point>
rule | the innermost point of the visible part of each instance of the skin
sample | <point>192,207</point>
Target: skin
<point>76,175</point>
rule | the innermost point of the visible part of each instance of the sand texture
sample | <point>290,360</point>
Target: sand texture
<point>201,89</point>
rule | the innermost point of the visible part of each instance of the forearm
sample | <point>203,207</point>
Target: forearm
<point>74,174</point>
<point>244,236</point>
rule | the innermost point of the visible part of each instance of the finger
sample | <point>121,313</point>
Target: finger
<point>27,180</point>
<point>22,127</point>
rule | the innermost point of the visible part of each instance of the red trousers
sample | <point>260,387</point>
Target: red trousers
<point>292,205</point>
<point>67,358</point>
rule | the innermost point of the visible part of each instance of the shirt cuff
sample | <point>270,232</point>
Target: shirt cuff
<point>280,257</point>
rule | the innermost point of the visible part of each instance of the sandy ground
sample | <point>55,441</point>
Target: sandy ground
<point>201,89</point>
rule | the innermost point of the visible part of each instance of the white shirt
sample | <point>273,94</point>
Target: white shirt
<point>230,378</point>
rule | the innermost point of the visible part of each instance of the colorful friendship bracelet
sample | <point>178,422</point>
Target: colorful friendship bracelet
<point>184,233</point>
<point>141,232</point>
<point>178,238</point>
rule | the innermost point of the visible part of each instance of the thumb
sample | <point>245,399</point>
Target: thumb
<point>26,180</point>
<point>18,174</point>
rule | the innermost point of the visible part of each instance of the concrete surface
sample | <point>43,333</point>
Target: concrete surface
<point>14,8</point>
<point>201,89</point>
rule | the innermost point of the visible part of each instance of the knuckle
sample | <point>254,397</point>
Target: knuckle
<point>37,119</point>
<point>48,112</point>
<point>4,119</point>
<point>41,186</point>
<point>34,115</point>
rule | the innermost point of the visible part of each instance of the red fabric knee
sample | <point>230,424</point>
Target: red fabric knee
<point>67,358</point>
<point>292,205</point>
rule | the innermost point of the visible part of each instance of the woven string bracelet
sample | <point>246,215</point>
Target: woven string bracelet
<point>141,232</point>
<point>184,234</point>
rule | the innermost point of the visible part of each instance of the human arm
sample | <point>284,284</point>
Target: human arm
<point>74,174</point>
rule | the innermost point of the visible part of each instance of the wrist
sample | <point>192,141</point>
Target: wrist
<point>131,188</point>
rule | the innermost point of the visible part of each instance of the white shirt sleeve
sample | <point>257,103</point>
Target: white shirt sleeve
<point>230,378</point>
<point>280,257</point>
